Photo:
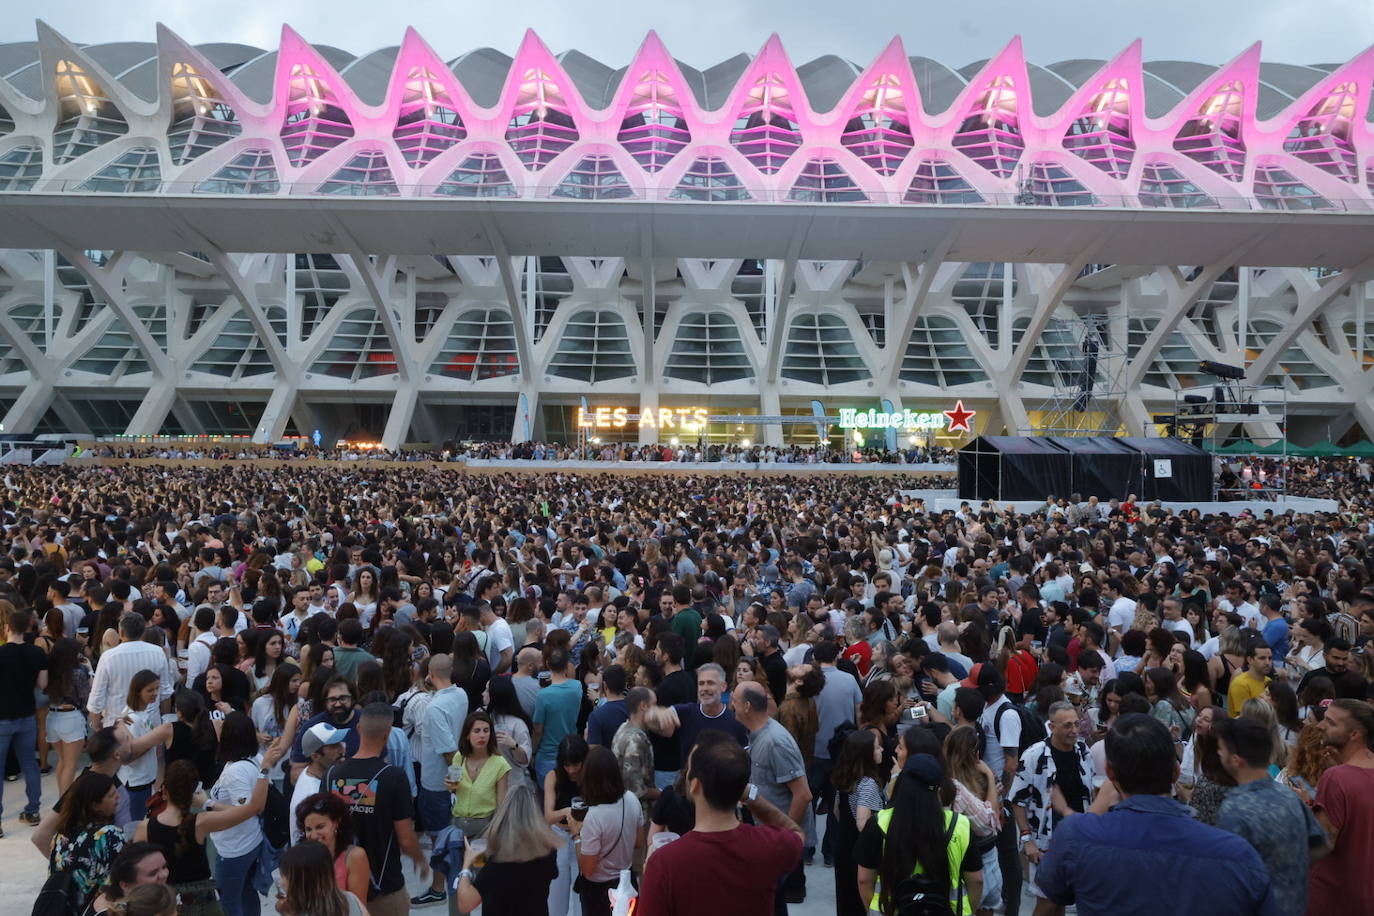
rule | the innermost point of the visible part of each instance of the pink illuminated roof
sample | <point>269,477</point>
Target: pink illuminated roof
<point>538,124</point>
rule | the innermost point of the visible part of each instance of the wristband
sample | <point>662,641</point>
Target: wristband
<point>1026,838</point>
<point>467,873</point>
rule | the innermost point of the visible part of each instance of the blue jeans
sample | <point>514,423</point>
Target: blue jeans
<point>818,778</point>
<point>23,735</point>
<point>542,768</point>
<point>235,878</point>
<point>138,801</point>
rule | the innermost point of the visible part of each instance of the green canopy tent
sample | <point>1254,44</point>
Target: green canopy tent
<point>1323,449</point>
<point>1364,449</point>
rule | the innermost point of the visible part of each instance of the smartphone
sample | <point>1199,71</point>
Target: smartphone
<point>916,714</point>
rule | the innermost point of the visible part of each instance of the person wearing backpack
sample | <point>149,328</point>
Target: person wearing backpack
<point>917,858</point>
<point>238,846</point>
<point>1008,730</point>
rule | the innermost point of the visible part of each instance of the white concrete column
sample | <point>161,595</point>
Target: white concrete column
<point>275,416</point>
<point>526,413</point>
<point>398,421</point>
<point>648,403</point>
<point>147,421</point>
<point>770,405</point>
<point>28,408</point>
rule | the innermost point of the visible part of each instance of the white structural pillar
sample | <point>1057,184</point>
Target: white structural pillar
<point>770,405</point>
<point>148,419</point>
<point>526,415</point>
<point>275,416</point>
<point>28,409</point>
<point>648,403</point>
<point>398,421</point>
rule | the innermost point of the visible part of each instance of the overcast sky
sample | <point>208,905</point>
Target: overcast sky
<point>702,32</point>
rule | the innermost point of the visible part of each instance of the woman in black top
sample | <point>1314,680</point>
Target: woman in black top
<point>561,785</point>
<point>193,736</point>
<point>520,864</point>
<point>471,671</point>
<point>182,833</point>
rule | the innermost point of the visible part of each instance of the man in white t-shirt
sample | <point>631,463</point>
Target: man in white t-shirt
<point>1122,612</point>
<point>323,746</point>
<point>500,640</point>
<point>1235,601</point>
<point>1173,617</point>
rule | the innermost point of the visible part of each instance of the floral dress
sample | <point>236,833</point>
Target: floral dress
<point>87,856</point>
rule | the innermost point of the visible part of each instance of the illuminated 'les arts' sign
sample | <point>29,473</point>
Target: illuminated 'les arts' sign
<point>662,418</point>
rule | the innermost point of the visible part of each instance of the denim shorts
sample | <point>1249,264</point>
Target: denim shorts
<point>66,725</point>
<point>435,809</point>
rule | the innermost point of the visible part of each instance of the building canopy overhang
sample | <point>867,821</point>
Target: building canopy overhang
<point>419,226</point>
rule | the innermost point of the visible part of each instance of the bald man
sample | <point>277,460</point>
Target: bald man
<point>777,768</point>
<point>526,678</point>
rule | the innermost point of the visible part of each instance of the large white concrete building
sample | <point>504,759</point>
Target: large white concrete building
<point>221,239</point>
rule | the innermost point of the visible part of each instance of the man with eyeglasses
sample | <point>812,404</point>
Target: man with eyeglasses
<point>339,712</point>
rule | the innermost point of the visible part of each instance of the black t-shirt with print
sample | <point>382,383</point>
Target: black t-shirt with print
<point>379,795</point>
<point>1069,780</point>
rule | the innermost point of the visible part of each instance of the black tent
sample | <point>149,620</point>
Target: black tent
<point>1172,469</point>
<point>1102,466</point>
<point>1012,468</point>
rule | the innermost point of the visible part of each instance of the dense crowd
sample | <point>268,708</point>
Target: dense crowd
<point>551,691</point>
<point>593,450</point>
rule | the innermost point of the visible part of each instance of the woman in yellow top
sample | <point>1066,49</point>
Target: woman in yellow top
<point>477,777</point>
<point>918,846</point>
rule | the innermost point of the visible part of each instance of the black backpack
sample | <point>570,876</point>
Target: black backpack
<point>276,818</point>
<point>1032,728</point>
<point>60,896</point>
<point>918,895</point>
<point>835,746</point>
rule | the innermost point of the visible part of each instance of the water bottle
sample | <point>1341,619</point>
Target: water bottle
<point>623,897</point>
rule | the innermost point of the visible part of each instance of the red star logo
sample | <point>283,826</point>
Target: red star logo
<point>959,417</point>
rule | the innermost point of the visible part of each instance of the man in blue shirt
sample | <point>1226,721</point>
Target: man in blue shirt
<point>555,713</point>
<point>1275,629</point>
<point>1148,854</point>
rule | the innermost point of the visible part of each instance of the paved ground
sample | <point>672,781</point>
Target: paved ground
<point>23,868</point>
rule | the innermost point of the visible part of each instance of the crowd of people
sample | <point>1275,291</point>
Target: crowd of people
<point>367,691</point>
<point>687,451</point>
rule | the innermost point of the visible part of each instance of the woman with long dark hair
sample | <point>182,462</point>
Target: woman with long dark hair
<point>858,797</point>
<point>193,736</point>
<point>138,864</point>
<point>326,818</point>
<point>268,652</point>
<point>272,710</point>
<point>140,716</point>
<point>69,687</point>
<point>608,833</point>
<point>86,841</point>
<point>878,711</point>
<point>237,846</point>
<point>919,840</point>
<point>182,832</point>
<point>308,886</point>
<point>1170,705</point>
<point>562,784</point>
<point>513,728</point>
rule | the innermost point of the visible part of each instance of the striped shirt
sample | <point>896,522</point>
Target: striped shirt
<point>116,671</point>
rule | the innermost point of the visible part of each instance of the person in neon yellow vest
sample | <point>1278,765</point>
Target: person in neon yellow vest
<point>918,836</point>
